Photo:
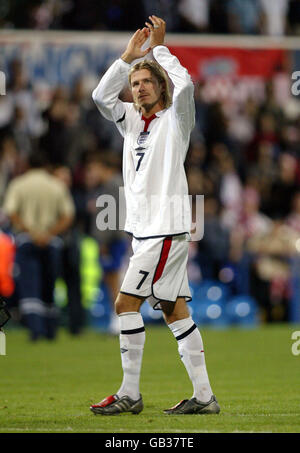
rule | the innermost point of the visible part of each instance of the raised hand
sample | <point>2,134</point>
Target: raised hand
<point>157,31</point>
<point>133,50</point>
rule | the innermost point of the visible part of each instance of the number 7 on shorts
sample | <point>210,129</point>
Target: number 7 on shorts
<point>145,275</point>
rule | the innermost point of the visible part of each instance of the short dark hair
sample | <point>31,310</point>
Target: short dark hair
<point>38,159</point>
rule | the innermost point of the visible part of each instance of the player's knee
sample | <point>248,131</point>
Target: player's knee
<point>124,304</point>
<point>120,307</point>
<point>175,311</point>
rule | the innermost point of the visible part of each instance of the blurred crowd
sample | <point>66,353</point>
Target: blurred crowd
<point>58,158</point>
<point>276,17</point>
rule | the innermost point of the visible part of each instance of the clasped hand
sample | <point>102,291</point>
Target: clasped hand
<point>156,31</point>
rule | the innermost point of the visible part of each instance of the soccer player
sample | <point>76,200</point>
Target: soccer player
<point>156,129</point>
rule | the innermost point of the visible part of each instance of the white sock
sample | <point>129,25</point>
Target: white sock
<point>132,340</point>
<point>190,348</point>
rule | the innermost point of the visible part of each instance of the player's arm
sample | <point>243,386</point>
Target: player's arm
<point>183,95</point>
<point>106,94</point>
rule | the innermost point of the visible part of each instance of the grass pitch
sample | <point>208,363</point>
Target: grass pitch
<point>48,387</point>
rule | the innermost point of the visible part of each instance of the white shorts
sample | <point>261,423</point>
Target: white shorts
<point>158,270</point>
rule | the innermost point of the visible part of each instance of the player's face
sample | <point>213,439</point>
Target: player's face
<point>146,90</point>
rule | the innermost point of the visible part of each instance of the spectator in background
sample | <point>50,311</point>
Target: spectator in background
<point>293,219</point>
<point>8,162</point>
<point>21,133</point>
<point>197,155</point>
<point>194,15</point>
<point>21,95</point>
<point>266,133</point>
<point>55,139</point>
<point>228,183</point>
<point>241,126</point>
<point>275,95</point>
<point>70,257</point>
<point>216,124</point>
<point>283,188</point>
<point>45,14</point>
<point>168,9</point>
<point>251,221</point>
<point>65,140</point>
<point>115,15</point>
<point>294,17</point>
<point>6,111</point>
<point>244,16</point>
<point>84,15</point>
<point>103,177</point>
<point>79,96</point>
<point>40,209</point>
<point>263,172</point>
<point>202,109</point>
<point>290,140</point>
<point>213,249</point>
<point>7,257</point>
<point>271,272</point>
<point>218,17</point>
<point>122,15</point>
<point>274,17</point>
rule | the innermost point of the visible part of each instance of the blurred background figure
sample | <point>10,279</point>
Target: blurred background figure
<point>40,209</point>
<point>103,178</point>
<point>194,15</point>
<point>271,271</point>
<point>7,259</point>
<point>274,17</point>
<point>244,16</point>
<point>213,249</point>
<point>70,260</point>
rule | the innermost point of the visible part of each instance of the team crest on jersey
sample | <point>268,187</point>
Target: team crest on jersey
<point>142,137</point>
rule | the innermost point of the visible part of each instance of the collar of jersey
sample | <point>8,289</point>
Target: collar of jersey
<point>158,114</point>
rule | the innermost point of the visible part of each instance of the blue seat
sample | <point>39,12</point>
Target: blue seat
<point>242,310</point>
<point>210,313</point>
<point>210,289</point>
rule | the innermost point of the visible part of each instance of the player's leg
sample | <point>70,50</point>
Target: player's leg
<point>190,348</point>
<point>132,340</point>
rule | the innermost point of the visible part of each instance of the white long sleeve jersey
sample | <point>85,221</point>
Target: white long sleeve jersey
<point>155,183</point>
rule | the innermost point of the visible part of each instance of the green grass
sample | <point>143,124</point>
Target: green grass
<point>48,387</point>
